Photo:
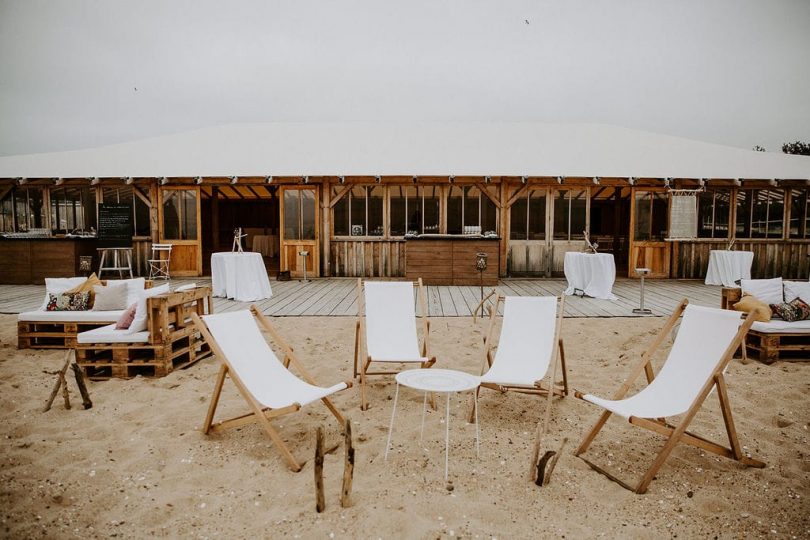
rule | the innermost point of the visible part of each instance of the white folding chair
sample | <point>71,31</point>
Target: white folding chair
<point>160,261</point>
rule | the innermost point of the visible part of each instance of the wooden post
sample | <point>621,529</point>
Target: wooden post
<point>348,467</point>
<point>503,218</point>
<point>77,373</point>
<point>215,218</point>
<point>320,503</point>
<point>326,225</point>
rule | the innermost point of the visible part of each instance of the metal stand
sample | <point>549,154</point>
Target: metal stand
<point>304,254</point>
<point>481,265</point>
<point>641,309</point>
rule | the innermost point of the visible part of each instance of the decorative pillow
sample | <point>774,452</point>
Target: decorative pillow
<point>87,286</point>
<point>125,320</point>
<point>135,287</point>
<point>797,310</point>
<point>785,311</point>
<point>59,285</point>
<point>766,290</point>
<point>750,304</point>
<point>797,289</point>
<point>139,323</point>
<point>68,301</point>
<point>110,298</point>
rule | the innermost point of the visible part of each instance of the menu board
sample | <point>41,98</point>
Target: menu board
<point>114,226</point>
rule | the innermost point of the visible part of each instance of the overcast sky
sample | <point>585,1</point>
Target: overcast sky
<point>84,73</point>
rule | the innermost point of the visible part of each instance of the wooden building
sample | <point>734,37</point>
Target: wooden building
<point>412,200</point>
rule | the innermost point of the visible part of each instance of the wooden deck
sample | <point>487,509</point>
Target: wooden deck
<point>337,297</point>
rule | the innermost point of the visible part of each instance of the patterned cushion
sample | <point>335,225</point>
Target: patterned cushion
<point>87,286</point>
<point>797,310</point>
<point>68,301</point>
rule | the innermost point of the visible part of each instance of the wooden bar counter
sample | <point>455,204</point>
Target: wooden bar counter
<point>30,260</point>
<point>451,259</point>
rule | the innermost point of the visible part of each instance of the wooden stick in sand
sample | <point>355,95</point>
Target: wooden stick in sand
<point>60,380</point>
<point>79,375</point>
<point>320,502</point>
<point>348,467</point>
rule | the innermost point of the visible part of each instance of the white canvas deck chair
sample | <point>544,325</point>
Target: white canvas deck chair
<point>385,331</point>
<point>529,344</point>
<point>702,350</point>
<point>269,387</point>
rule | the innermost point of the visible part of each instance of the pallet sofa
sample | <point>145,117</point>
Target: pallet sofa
<point>40,329</point>
<point>774,340</point>
<point>170,342</point>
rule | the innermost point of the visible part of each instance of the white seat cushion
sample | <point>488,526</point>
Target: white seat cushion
<point>778,326</point>
<point>797,289</point>
<point>765,290</point>
<point>108,334</point>
<point>69,316</point>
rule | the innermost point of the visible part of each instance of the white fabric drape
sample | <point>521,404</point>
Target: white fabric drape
<point>592,273</point>
<point>726,267</point>
<point>240,276</point>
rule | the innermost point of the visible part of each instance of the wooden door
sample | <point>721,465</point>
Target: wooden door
<point>300,230</point>
<point>649,218</point>
<point>180,225</point>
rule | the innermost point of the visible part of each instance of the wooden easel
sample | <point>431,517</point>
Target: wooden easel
<point>61,382</point>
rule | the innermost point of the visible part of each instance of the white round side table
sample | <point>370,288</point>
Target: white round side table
<point>436,380</point>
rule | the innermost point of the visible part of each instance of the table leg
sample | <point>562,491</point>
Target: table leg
<point>447,437</point>
<point>391,426</point>
<point>477,432</point>
<point>422,430</point>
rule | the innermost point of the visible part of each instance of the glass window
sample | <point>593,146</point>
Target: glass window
<point>651,216</point>
<point>431,201</point>
<point>528,216</point>
<point>73,209</point>
<point>799,215</point>
<point>469,211</point>
<point>179,214</point>
<point>760,213</point>
<point>713,213</point>
<point>403,204</point>
<point>570,214</point>
<point>359,212</point>
<point>23,209</point>
<point>300,217</point>
<point>7,212</point>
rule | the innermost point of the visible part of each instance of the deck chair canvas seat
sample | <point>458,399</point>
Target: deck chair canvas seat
<point>386,329</point>
<point>694,368</point>
<point>264,381</point>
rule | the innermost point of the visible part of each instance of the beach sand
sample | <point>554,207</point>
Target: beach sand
<point>136,464</point>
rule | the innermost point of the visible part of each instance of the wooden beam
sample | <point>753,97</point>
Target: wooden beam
<point>339,195</point>
<point>486,192</point>
<point>142,196</point>
<point>518,194</point>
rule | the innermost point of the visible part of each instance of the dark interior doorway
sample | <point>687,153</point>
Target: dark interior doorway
<point>610,223</point>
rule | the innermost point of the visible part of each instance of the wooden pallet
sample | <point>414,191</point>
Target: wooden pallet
<point>174,341</point>
<point>52,335</point>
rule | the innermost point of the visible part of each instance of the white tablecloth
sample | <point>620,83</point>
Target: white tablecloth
<point>593,274</point>
<point>240,276</point>
<point>265,244</point>
<point>726,267</point>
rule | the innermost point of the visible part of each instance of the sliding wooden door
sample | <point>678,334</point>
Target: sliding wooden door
<point>300,230</point>
<point>649,219</point>
<point>180,225</point>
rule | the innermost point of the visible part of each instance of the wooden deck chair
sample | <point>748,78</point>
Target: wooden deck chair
<point>269,387</point>
<point>385,331</point>
<point>529,344</point>
<point>702,350</point>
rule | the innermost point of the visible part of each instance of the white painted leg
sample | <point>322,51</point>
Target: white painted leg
<point>477,429</point>
<point>447,437</point>
<point>391,426</point>
<point>422,429</point>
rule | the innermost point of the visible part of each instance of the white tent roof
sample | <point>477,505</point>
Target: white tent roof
<point>498,149</point>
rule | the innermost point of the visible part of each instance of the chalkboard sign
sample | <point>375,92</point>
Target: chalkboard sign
<point>114,226</point>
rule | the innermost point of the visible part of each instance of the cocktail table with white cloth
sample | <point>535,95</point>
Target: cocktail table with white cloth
<point>436,380</point>
<point>727,267</point>
<point>240,276</point>
<point>265,244</point>
<point>591,273</point>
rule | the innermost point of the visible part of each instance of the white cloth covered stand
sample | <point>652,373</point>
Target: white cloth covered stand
<point>591,273</point>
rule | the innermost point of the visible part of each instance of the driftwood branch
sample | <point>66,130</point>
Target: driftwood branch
<point>60,380</point>
<point>348,467</point>
<point>79,375</point>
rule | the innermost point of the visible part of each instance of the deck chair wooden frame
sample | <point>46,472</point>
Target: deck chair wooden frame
<point>258,413</point>
<point>677,433</point>
<point>360,341</point>
<point>551,389</point>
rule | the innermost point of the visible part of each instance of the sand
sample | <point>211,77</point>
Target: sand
<point>136,465</point>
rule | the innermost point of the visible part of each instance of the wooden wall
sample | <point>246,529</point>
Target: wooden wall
<point>449,261</point>
<point>367,258</point>
<point>527,258</point>
<point>775,258</point>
